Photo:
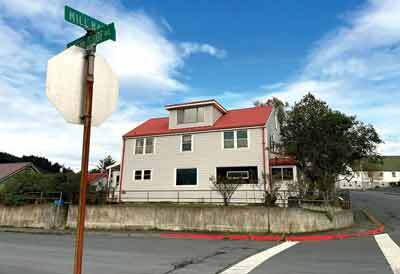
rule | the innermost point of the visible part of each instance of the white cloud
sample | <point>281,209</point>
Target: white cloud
<point>356,68</point>
<point>190,48</point>
<point>30,31</point>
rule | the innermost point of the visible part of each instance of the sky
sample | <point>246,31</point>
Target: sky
<point>346,52</point>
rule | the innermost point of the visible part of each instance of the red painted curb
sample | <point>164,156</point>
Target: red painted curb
<point>299,238</point>
<point>340,236</point>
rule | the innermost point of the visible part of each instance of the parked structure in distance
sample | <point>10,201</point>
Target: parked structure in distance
<point>372,176</point>
<point>172,158</point>
<point>9,170</point>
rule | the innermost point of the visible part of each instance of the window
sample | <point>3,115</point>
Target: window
<point>139,146</point>
<point>242,138</point>
<point>138,175</point>
<point>235,175</point>
<point>186,177</point>
<point>142,174</point>
<point>147,174</point>
<point>236,139</point>
<point>186,142</point>
<point>229,139</point>
<point>287,173</point>
<point>393,174</point>
<point>144,145</point>
<point>149,145</point>
<point>282,174</point>
<point>248,174</point>
<point>190,115</point>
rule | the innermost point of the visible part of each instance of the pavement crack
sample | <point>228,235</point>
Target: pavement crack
<point>186,262</point>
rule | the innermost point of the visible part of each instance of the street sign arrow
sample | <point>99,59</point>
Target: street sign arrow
<point>100,35</point>
<point>80,19</point>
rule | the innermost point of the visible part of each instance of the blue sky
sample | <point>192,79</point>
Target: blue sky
<point>345,52</point>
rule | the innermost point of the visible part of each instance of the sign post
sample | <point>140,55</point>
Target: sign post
<point>80,88</point>
<point>87,123</point>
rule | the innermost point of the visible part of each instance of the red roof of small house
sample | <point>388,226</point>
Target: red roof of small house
<point>9,169</point>
<point>236,118</point>
<point>283,161</point>
<point>94,177</point>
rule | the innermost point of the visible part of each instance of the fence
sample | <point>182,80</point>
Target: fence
<point>247,196</point>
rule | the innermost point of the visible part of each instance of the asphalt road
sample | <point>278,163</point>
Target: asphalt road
<point>148,253</point>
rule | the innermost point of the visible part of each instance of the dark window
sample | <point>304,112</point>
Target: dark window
<point>287,173</point>
<point>187,142</point>
<point>229,139</point>
<point>276,174</point>
<point>249,174</point>
<point>186,177</point>
<point>147,174</point>
<point>138,175</point>
<point>282,174</point>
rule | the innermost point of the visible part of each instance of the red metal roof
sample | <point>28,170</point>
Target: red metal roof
<point>94,177</point>
<point>237,118</point>
<point>287,161</point>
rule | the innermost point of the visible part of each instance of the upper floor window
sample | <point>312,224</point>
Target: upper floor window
<point>187,142</point>
<point>190,115</point>
<point>236,139</point>
<point>242,138</point>
<point>144,145</point>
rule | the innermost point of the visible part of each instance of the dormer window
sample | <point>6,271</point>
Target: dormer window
<point>190,115</point>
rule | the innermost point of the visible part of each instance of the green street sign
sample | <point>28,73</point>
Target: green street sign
<point>100,35</point>
<point>78,18</point>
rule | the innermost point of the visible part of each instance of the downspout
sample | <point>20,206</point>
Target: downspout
<point>121,169</point>
<point>264,160</point>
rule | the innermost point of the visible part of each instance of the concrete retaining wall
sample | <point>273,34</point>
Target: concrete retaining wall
<point>33,216</point>
<point>230,219</point>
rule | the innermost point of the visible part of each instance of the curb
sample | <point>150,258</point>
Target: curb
<point>380,228</point>
<point>297,238</point>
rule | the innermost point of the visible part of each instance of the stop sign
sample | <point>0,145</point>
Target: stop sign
<point>66,86</point>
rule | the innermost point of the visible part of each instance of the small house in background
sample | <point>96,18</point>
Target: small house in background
<point>113,178</point>
<point>365,176</point>
<point>97,180</point>
<point>9,170</point>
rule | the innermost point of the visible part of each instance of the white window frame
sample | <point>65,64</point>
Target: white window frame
<point>191,146</point>
<point>238,178</point>
<point>197,177</point>
<point>235,139</point>
<point>145,145</point>
<point>142,175</point>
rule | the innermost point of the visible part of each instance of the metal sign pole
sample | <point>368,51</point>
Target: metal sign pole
<point>87,120</point>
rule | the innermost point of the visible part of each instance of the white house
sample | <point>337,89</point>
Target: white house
<point>172,158</point>
<point>376,175</point>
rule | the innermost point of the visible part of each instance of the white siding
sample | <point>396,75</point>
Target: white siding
<point>207,154</point>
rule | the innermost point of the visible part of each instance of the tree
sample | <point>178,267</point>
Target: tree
<point>107,161</point>
<point>225,187</point>
<point>325,142</point>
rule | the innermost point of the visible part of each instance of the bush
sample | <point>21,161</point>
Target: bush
<point>18,189</point>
